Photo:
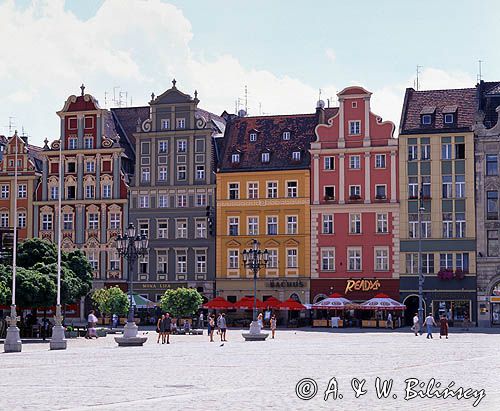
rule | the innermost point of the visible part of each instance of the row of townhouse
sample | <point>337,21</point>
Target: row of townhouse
<point>333,195</point>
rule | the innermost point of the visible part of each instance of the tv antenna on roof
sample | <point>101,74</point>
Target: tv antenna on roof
<point>480,74</point>
<point>417,82</point>
<point>11,125</point>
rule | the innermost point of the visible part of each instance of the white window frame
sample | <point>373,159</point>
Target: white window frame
<point>380,161</point>
<point>328,256</point>
<point>355,259</point>
<point>355,127</point>
<point>381,259</point>
<point>355,162</point>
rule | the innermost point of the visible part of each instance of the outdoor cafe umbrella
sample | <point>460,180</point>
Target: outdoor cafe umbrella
<point>272,302</point>
<point>218,303</point>
<point>291,305</point>
<point>382,302</point>
<point>334,302</point>
<point>246,303</point>
<point>139,301</point>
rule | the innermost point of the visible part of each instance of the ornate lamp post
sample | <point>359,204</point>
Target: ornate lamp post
<point>255,259</point>
<point>130,246</point>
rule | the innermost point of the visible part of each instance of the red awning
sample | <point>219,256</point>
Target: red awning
<point>272,302</point>
<point>291,304</point>
<point>218,303</point>
<point>246,303</point>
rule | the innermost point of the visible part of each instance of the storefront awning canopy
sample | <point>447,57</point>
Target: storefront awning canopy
<point>334,302</point>
<point>272,302</point>
<point>246,303</point>
<point>382,302</point>
<point>291,304</point>
<point>218,303</point>
<point>140,302</point>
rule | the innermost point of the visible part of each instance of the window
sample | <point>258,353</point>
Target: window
<point>382,226</point>
<point>181,200</point>
<point>426,186</point>
<point>291,224</point>
<point>291,257</point>
<point>425,224</point>
<point>162,229</point>
<point>89,191</point>
<point>114,221</point>
<point>93,260</point>
<point>426,119</point>
<point>380,192</point>
<point>72,143</point>
<point>354,127</point>
<point>272,261</point>
<point>143,264</point>
<point>145,174</point>
<point>381,259</point>
<point>354,192</point>
<point>253,226</point>
<point>447,225</point>
<point>143,228</point>
<point>329,192</point>
<point>93,221</point>
<point>492,205</point>
<point>234,191</point>
<point>162,262</point>
<point>22,191</point>
<point>181,266</point>
<point>162,201</point>
<point>144,201</point>
<point>425,151</point>
<point>181,146</point>
<point>355,162</point>
<point>181,172</point>
<point>21,219</point>
<point>4,219</point>
<point>412,153</point>
<point>412,225</point>
<point>379,160</point>
<point>447,187</point>
<point>412,187</point>
<point>114,261</point>
<point>272,189</point>
<point>201,228</point>
<point>235,158</point>
<point>89,142</point>
<point>165,124</point>
<point>253,190</point>
<point>459,151</point>
<point>71,167</point>
<point>201,199</point>
<point>493,244</point>
<point>233,226</point>
<point>88,122</point>
<point>446,151</point>
<point>54,192</point>
<point>181,123</point>
<point>71,193</point>
<point>329,163</point>
<point>460,186</point>
<point>145,147</point>
<point>296,156</point>
<point>291,189</point>
<point>162,173</point>
<point>327,223</point>
<point>491,165</point>
<point>448,118</point>
<point>412,263</point>
<point>253,137</point>
<point>181,228</point>
<point>286,135</point>
<point>355,223</point>
<point>354,259</point>
<point>200,172</point>
<point>4,193</point>
<point>201,262</point>
<point>460,225</point>
<point>427,263</point>
<point>233,259</point>
<point>462,261</point>
<point>328,259</point>
<point>106,191</point>
<point>445,261</point>
<point>272,225</point>
<point>265,157</point>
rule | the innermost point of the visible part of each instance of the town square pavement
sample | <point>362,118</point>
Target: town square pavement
<point>194,374</point>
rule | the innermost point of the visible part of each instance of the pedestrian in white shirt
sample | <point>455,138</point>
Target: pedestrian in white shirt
<point>429,322</point>
<point>416,325</point>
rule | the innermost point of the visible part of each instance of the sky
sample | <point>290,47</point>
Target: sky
<point>284,52</point>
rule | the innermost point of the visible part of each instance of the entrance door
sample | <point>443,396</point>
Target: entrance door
<point>411,303</point>
<point>495,313</point>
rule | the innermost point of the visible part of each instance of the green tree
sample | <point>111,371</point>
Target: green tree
<point>111,301</point>
<point>34,289</point>
<point>4,293</point>
<point>36,250</point>
<point>79,264</point>
<point>181,302</point>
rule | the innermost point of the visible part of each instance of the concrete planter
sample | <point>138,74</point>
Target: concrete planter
<point>71,334</point>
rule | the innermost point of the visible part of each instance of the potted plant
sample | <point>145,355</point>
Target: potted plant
<point>354,197</point>
<point>380,197</point>
<point>445,274</point>
<point>459,274</point>
<point>70,332</point>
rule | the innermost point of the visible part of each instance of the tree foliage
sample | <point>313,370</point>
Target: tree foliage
<point>111,301</point>
<point>4,292</point>
<point>181,302</point>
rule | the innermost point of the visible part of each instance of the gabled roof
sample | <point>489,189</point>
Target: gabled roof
<point>270,137</point>
<point>126,122</point>
<point>417,103</point>
<point>489,96</point>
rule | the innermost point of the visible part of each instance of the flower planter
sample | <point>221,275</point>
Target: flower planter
<point>101,332</point>
<point>71,334</point>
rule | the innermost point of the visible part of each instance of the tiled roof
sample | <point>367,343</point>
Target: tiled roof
<point>418,102</point>
<point>126,121</point>
<point>269,131</point>
<point>489,100</point>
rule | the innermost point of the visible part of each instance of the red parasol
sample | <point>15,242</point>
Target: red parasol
<point>272,302</point>
<point>291,304</point>
<point>218,303</point>
<point>246,303</point>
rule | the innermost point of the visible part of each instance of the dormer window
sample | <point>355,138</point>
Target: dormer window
<point>235,158</point>
<point>181,123</point>
<point>448,118</point>
<point>296,156</point>
<point>165,124</point>
<point>286,135</point>
<point>253,137</point>
<point>426,119</point>
<point>354,127</point>
<point>265,157</point>
<point>426,115</point>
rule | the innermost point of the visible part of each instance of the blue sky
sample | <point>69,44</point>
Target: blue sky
<point>284,51</point>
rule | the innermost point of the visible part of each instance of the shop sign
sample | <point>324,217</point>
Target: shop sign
<point>361,285</point>
<point>286,284</point>
<point>159,286</point>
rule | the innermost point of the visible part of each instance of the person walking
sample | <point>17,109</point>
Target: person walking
<point>114,321</point>
<point>416,324</point>
<point>91,323</point>
<point>389,321</point>
<point>443,327</point>
<point>167,324</point>
<point>221,323</point>
<point>429,323</point>
<point>159,328</point>
<point>201,320</point>
<point>211,326</point>
<point>273,326</point>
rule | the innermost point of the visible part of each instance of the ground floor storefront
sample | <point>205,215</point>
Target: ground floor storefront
<point>355,289</point>
<point>154,290</point>
<point>488,301</point>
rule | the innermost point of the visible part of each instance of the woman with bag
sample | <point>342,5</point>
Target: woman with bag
<point>159,328</point>
<point>211,326</point>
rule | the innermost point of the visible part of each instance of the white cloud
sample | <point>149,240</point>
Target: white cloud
<point>330,55</point>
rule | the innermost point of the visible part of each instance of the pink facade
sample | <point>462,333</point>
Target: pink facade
<point>354,194</point>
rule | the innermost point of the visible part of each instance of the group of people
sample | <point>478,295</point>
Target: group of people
<point>221,326</point>
<point>429,322</point>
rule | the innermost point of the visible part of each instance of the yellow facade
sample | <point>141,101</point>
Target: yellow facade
<point>265,200</point>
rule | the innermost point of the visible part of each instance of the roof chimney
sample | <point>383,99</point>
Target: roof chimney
<point>320,111</point>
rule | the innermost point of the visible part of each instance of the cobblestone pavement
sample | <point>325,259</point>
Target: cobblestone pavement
<point>193,374</point>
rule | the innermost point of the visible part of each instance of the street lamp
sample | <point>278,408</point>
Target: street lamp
<point>255,259</point>
<point>421,278</point>
<point>130,246</point>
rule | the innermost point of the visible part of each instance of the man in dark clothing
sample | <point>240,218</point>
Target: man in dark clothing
<point>167,325</point>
